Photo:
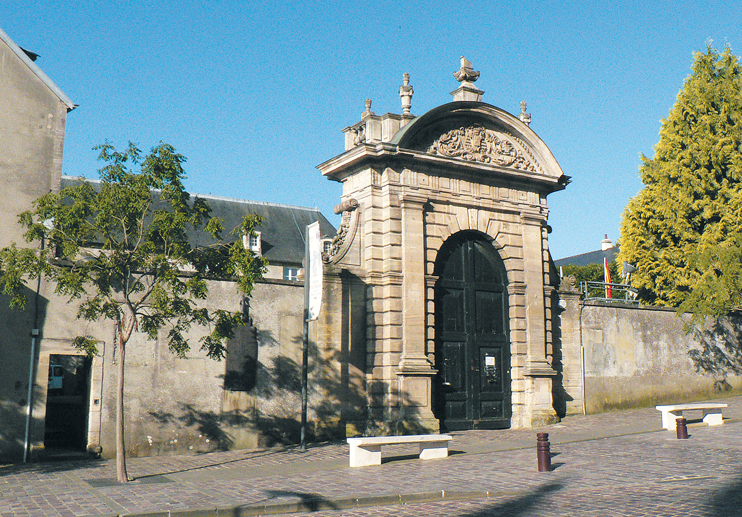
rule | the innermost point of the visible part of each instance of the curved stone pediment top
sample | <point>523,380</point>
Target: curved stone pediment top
<point>476,144</point>
<point>478,132</point>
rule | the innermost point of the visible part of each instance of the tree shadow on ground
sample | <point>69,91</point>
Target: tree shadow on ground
<point>720,352</point>
<point>523,505</point>
<point>727,501</point>
<point>50,467</point>
<point>310,502</point>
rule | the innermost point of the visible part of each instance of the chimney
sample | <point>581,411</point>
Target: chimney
<point>606,243</point>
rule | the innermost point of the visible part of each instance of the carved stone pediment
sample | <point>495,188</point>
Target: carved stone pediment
<point>477,144</point>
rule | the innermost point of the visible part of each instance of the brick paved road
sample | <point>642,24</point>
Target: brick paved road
<point>641,475</point>
<point>612,464</point>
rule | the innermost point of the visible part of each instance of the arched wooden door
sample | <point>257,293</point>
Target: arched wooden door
<point>472,344</point>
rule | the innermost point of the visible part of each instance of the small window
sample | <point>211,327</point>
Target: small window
<point>326,245</point>
<point>253,243</point>
<point>290,273</point>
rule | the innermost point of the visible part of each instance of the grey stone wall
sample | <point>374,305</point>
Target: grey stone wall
<point>626,356</point>
<point>173,405</point>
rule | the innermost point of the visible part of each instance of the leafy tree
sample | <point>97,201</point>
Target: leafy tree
<point>593,272</point>
<point>121,249</point>
<point>683,231</point>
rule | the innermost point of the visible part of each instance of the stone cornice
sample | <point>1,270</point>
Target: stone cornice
<point>539,368</point>
<point>517,288</point>
<point>408,200</point>
<point>494,208</point>
<point>384,278</point>
<point>430,280</point>
<point>533,218</point>
<point>366,155</point>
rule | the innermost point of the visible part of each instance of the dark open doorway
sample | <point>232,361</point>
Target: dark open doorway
<point>67,402</point>
<point>472,343</point>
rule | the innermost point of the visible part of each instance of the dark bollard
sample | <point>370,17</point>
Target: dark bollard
<point>682,428</point>
<point>543,451</point>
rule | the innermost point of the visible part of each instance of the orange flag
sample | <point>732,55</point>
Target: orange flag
<point>607,278</point>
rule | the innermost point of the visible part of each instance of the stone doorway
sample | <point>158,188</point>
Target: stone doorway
<point>68,402</point>
<point>472,346</point>
<point>467,180</point>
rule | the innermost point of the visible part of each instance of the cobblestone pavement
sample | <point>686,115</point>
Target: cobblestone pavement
<point>617,463</point>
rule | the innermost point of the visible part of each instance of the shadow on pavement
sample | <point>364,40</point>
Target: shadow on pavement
<point>50,466</point>
<point>727,501</point>
<point>523,505</point>
<point>248,455</point>
<point>310,502</point>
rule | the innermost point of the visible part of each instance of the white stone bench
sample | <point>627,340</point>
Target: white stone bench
<point>366,450</point>
<point>711,413</point>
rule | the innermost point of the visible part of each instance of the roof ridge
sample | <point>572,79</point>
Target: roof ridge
<point>217,198</point>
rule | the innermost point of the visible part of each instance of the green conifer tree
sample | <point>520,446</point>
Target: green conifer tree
<point>689,214</point>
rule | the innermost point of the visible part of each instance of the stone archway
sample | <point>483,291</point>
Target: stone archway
<point>411,185</point>
<point>472,388</point>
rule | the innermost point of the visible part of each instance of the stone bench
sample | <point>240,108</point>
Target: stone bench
<point>366,450</point>
<point>711,413</point>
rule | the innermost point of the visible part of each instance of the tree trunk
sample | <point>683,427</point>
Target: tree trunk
<point>120,448</point>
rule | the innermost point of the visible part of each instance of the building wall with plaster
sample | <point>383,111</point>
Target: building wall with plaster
<point>616,355</point>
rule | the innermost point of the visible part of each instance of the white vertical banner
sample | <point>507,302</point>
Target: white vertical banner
<point>313,271</point>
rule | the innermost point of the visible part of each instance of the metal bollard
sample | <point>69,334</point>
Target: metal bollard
<point>543,451</point>
<point>682,428</point>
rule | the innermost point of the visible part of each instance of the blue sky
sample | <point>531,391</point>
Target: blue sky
<point>256,93</point>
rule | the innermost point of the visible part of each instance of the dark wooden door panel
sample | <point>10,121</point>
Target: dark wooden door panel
<point>473,351</point>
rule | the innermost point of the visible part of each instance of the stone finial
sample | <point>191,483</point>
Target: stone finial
<point>466,76</point>
<point>466,73</point>
<point>368,111</point>
<point>405,94</point>
<point>524,117</point>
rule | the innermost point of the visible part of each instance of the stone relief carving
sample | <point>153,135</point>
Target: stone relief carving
<point>477,144</point>
<point>359,135</point>
<point>568,284</point>
<point>346,230</point>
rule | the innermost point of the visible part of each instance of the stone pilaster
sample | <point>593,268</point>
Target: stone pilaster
<point>415,370</point>
<point>538,371</point>
<point>571,347</point>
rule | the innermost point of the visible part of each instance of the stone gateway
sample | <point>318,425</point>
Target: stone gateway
<point>439,284</point>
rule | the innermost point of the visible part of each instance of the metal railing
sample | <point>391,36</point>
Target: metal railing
<point>606,292</point>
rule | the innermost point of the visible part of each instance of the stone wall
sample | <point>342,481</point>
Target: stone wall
<point>619,356</point>
<point>173,405</point>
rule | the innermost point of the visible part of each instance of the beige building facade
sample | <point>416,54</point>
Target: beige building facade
<point>55,399</point>
<point>439,287</point>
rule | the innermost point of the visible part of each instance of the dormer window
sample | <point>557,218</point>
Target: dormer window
<point>253,243</point>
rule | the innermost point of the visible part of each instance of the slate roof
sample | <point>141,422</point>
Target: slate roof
<point>282,230</point>
<point>591,257</point>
